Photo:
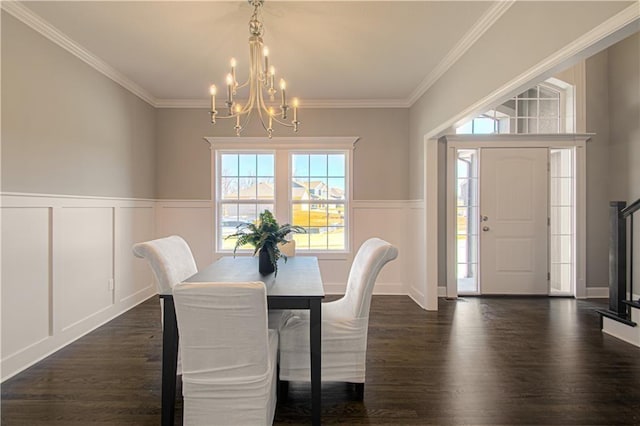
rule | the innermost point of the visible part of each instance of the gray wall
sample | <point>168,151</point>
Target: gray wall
<point>613,154</point>
<point>624,118</point>
<point>380,158</point>
<point>509,48</point>
<point>597,121</point>
<point>66,128</point>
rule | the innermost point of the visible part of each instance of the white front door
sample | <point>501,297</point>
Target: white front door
<point>514,218</point>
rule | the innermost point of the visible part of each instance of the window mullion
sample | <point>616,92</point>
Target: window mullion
<point>283,193</point>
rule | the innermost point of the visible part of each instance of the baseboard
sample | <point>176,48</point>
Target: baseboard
<point>35,353</point>
<point>592,292</point>
<point>388,289</point>
<point>417,296</point>
<point>597,292</point>
<point>621,331</point>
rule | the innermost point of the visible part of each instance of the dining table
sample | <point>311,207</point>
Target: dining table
<point>297,285</point>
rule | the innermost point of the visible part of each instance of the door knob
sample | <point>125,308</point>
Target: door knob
<point>485,228</point>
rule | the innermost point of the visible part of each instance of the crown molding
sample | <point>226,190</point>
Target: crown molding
<point>35,22</point>
<point>624,23</point>
<point>356,103</point>
<point>308,103</point>
<point>486,21</point>
<point>481,26</point>
<point>286,142</point>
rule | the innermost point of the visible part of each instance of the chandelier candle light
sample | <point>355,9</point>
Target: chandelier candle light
<point>261,84</point>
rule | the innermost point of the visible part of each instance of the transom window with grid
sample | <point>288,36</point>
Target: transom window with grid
<point>305,188</point>
<point>544,108</point>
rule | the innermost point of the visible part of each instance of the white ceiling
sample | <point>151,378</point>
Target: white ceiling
<point>380,52</point>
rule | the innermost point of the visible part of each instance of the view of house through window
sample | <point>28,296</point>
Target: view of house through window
<point>245,188</point>
<point>246,185</point>
<point>318,200</point>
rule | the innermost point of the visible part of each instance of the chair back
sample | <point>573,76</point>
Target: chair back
<point>171,261</point>
<point>372,255</point>
<point>288,248</point>
<point>223,331</point>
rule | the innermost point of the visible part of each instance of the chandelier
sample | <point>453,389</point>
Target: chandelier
<point>261,86</point>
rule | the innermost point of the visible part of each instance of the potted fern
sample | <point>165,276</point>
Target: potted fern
<point>265,236</point>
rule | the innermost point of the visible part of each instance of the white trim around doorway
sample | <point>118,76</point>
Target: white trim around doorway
<point>577,141</point>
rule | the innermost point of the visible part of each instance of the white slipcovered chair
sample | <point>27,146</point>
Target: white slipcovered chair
<point>172,262</point>
<point>288,248</point>
<point>344,325</point>
<point>170,259</point>
<point>229,356</point>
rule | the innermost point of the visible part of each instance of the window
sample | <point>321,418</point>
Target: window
<point>318,200</point>
<point>299,183</point>
<point>467,220</point>
<point>545,108</point>
<point>246,188</point>
<point>562,226</point>
<point>490,122</point>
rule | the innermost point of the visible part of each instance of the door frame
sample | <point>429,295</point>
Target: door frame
<point>577,141</point>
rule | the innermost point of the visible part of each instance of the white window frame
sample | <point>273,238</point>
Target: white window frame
<point>219,201</point>
<point>346,202</point>
<point>283,147</point>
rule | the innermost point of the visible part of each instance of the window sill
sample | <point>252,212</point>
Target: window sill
<point>334,255</point>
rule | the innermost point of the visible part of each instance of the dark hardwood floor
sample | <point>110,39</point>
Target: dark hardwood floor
<point>480,361</point>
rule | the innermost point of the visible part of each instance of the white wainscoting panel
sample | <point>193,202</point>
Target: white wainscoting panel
<point>25,278</point>
<point>335,272</point>
<point>386,220</point>
<point>133,275</point>
<point>67,268</point>
<point>416,261</point>
<point>83,264</point>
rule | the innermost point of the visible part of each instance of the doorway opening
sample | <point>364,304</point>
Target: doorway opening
<point>486,250</point>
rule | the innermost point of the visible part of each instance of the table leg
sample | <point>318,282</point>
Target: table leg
<point>169,361</point>
<point>315,333</point>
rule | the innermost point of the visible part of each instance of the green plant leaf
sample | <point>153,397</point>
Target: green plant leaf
<point>266,234</point>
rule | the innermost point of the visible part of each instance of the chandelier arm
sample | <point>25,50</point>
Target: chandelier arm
<point>242,86</point>
<point>264,126</point>
<point>273,116</point>
<point>249,105</point>
<point>261,103</point>
<point>282,123</point>
<point>225,117</point>
<point>246,119</point>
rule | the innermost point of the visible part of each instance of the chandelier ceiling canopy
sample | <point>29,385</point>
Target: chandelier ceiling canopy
<point>261,86</point>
